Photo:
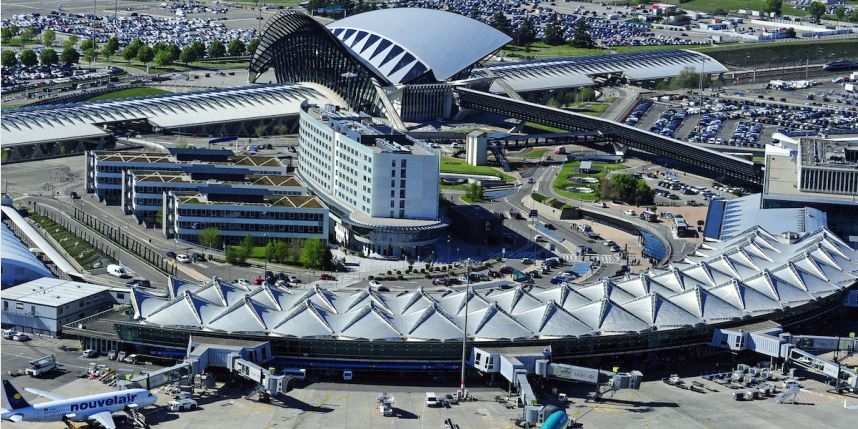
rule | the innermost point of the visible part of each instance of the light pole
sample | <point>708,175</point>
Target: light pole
<point>449,255</point>
<point>465,332</point>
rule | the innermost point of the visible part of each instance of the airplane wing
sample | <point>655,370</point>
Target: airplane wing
<point>104,419</point>
<point>49,395</point>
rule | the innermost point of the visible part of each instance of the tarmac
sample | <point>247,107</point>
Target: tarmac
<point>326,403</point>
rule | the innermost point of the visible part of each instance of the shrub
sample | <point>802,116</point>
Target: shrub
<point>538,197</point>
<point>370,277</point>
<point>389,272</point>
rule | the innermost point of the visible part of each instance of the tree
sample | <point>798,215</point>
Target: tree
<point>6,34</point>
<point>475,192</point>
<point>70,56</point>
<point>840,13</point>
<point>627,188</point>
<point>586,94</point>
<point>236,48</point>
<point>554,32</point>
<point>111,46</point>
<point>688,78</point>
<point>87,44</point>
<point>216,49</point>
<point>27,35</point>
<point>501,23</point>
<point>815,9</point>
<point>188,55</point>
<point>70,42</point>
<point>130,52</point>
<point>270,251</point>
<point>525,34</point>
<point>90,55</point>
<point>28,58</point>
<point>789,33</point>
<point>313,253</point>
<point>581,37</point>
<point>251,46</point>
<point>145,54</point>
<point>48,37</point>
<point>8,58</point>
<point>164,57</point>
<point>774,6</point>
<point>327,260</point>
<point>49,57</point>
<point>199,48</point>
<point>281,251</point>
<point>210,237</point>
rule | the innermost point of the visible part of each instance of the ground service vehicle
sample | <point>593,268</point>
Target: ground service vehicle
<point>41,366</point>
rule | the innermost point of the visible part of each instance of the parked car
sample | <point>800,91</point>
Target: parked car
<point>89,353</point>
<point>132,359</point>
<point>111,355</point>
<point>170,255</point>
<point>294,279</point>
<point>183,258</point>
<point>139,283</point>
<point>198,257</point>
<point>375,284</point>
<point>73,195</point>
<point>326,277</point>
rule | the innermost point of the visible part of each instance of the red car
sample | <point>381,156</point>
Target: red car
<point>326,277</point>
<point>258,281</point>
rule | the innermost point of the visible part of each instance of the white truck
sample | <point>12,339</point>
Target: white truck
<point>41,366</point>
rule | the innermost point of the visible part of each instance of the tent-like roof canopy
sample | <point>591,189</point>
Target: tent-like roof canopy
<point>752,275</point>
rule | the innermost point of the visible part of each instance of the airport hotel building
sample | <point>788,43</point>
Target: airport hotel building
<point>381,187</point>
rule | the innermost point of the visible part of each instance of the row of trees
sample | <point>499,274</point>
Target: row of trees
<point>554,34</point>
<point>47,57</point>
<point>311,253</point>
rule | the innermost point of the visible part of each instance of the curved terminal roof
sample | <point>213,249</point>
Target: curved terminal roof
<point>404,43</point>
<point>753,275</point>
<point>19,265</point>
<point>39,242</point>
<point>569,72</point>
<point>53,123</point>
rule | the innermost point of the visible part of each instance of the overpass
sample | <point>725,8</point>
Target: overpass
<point>718,164</point>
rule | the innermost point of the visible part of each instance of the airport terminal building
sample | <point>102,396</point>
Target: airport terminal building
<point>754,277</point>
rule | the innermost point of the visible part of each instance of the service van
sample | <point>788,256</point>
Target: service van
<point>432,399</point>
<point>118,271</point>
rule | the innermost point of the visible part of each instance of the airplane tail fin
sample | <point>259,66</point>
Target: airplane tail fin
<point>15,399</point>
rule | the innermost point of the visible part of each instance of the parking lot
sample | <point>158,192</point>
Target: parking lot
<point>746,117</point>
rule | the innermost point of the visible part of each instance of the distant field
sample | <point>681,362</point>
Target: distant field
<point>728,5</point>
<point>129,93</point>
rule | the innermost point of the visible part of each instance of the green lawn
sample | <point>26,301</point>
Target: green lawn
<point>570,169</point>
<point>76,247</point>
<point>456,165</point>
<point>535,153</point>
<point>545,128</point>
<point>129,93</point>
<point>542,50</point>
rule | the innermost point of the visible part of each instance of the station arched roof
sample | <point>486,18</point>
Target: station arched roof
<point>404,43</point>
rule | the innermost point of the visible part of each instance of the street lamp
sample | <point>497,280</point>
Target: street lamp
<point>465,332</point>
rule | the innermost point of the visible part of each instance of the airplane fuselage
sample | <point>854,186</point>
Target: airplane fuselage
<point>80,408</point>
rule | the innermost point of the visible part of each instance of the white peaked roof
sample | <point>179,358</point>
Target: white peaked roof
<point>753,274</point>
<point>403,43</point>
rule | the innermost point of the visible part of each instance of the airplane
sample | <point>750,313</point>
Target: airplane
<point>96,408</point>
<point>850,407</point>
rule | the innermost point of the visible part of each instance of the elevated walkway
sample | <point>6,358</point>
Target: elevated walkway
<point>718,164</point>
<point>34,237</point>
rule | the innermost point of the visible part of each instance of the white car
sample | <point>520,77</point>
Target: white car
<point>294,279</point>
<point>375,284</point>
<point>182,405</point>
<point>243,282</point>
<point>183,258</point>
<point>630,212</point>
